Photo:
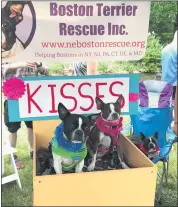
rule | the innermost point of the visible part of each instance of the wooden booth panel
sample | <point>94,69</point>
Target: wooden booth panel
<point>127,187</point>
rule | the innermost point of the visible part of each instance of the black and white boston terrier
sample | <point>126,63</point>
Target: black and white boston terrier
<point>105,133</point>
<point>149,145</point>
<point>12,15</point>
<point>69,144</point>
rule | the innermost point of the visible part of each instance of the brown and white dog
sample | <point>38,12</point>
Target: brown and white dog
<point>12,15</point>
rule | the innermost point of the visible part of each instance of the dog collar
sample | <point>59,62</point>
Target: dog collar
<point>61,151</point>
<point>63,142</point>
<point>146,152</point>
<point>108,127</point>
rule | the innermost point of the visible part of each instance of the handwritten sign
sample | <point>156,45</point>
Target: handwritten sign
<point>78,30</point>
<point>43,94</point>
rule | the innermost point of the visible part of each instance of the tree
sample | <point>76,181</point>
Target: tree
<point>163,20</point>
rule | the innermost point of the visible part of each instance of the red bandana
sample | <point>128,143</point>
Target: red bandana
<point>150,154</point>
<point>107,127</point>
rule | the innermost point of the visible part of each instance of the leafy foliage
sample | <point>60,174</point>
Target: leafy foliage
<point>151,62</point>
<point>163,20</point>
<point>56,68</point>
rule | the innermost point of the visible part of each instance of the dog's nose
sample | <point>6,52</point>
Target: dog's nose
<point>151,146</point>
<point>79,133</point>
<point>115,116</point>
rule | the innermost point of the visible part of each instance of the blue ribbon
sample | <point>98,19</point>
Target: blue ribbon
<point>64,143</point>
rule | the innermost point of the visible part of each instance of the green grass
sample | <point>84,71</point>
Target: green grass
<point>13,196</point>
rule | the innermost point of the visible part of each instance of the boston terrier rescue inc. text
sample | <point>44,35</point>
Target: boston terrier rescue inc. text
<point>89,10</point>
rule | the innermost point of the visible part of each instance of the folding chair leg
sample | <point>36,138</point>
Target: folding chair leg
<point>16,171</point>
<point>161,183</point>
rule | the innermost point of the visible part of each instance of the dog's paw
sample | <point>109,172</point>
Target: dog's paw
<point>124,165</point>
<point>59,172</point>
<point>78,171</point>
<point>91,167</point>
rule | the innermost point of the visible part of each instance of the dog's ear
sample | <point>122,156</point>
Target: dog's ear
<point>99,103</point>
<point>15,10</point>
<point>142,136</point>
<point>62,111</point>
<point>119,100</point>
<point>156,135</point>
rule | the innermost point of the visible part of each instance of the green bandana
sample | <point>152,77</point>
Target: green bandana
<point>77,156</point>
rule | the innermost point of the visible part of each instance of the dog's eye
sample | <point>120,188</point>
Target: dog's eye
<point>109,110</point>
<point>75,125</point>
<point>85,126</point>
<point>4,25</point>
<point>154,141</point>
<point>117,108</point>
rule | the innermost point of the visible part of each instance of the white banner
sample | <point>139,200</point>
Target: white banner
<point>76,30</point>
<point>78,95</point>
